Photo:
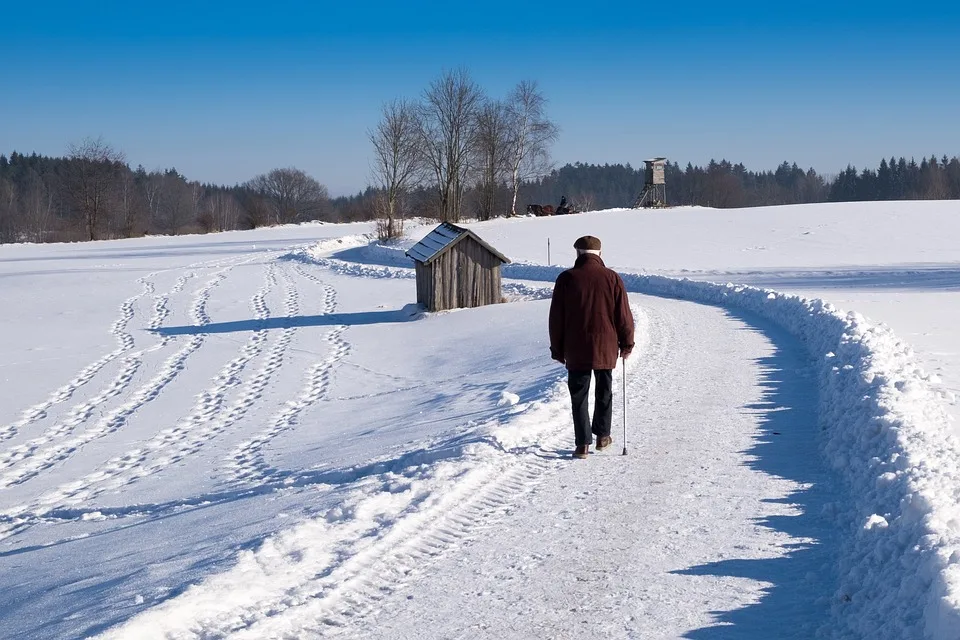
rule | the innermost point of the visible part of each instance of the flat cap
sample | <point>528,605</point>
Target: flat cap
<point>587,243</point>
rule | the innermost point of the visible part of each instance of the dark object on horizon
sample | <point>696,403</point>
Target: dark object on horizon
<point>654,192</point>
<point>540,210</point>
<point>548,210</point>
<point>456,269</point>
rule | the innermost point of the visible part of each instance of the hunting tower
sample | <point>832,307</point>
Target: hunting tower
<point>654,192</point>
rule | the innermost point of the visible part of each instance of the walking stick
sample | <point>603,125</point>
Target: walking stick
<point>624,407</point>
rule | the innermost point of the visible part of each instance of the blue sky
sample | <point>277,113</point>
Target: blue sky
<point>225,91</point>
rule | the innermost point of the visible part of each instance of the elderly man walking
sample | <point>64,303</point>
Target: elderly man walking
<point>590,325</point>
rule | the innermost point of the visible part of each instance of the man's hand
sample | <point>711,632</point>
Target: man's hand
<point>625,353</point>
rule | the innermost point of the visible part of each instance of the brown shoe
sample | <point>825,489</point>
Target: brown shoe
<point>581,451</point>
<point>603,442</point>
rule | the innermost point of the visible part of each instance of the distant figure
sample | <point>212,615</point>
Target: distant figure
<point>563,201</point>
<point>590,324</point>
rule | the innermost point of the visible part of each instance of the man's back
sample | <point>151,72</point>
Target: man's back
<point>590,317</point>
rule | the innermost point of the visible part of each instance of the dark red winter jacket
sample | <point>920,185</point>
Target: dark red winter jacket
<point>590,319</point>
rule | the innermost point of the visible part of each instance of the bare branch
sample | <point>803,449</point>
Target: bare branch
<point>397,162</point>
<point>94,172</point>
<point>532,135</point>
<point>292,195</point>
<point>447,116</point>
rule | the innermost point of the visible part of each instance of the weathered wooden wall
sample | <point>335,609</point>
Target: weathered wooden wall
<point>466,275</point>
<point>424,284</point>
<point>654,173</point>
<point>658,174</point>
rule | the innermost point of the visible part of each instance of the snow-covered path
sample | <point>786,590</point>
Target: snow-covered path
<point>274,446</point>
<point>710,527</point>
<point>255,435</point>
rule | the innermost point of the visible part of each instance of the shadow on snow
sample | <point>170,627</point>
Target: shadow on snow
<point>150,552</point>
<point>796,603</point>
<point>908,277</point>
<point>405,314</point>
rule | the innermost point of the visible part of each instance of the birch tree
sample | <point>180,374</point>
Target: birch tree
<point>130,205</point>
<point>37,207</point>
<point>447,116</point>
<point>221,209</point>
<point>492,149</point>
<point>8,211</point>
<point>531,136</point>
<point>396,163</point>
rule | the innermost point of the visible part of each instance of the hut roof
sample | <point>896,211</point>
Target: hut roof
<point>653,160</point>
<point>441,239</point>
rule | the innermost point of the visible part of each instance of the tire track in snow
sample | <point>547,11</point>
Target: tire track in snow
<point>453,513</point>
<point>312,580</point>
<point>397,518</point>
<point>449,516</point>
<point>247,464</point>
<point>392,563</point>
<point>30,463</point>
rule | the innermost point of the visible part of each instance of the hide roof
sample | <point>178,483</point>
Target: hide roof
<point>441,239</point>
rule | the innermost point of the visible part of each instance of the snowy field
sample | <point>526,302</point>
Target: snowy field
<point>257,435</point>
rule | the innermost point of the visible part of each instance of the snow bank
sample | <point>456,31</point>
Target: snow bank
<point>886,433</point>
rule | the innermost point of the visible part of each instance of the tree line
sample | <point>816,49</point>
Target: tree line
<point>92,194</point>
<point>452,153</point>
<point>726,185</point>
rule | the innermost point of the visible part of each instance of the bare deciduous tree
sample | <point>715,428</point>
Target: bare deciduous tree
<point>37,207</point>
<point>130,206</point>
<point>447,117</point>
<point>152,187</point>
<point>396,164</point>
<point>292,195</point>
<point>94,169</point>
<point>169,200</point>
<point>493,155</point>
<point>582,201</point>
<point>256,209</point>
<point>531,136</point>
<point>219,211</point>
<point>8,211</point>
<point>178,202</point>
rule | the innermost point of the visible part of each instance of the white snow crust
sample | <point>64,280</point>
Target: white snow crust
<point>257,435</point>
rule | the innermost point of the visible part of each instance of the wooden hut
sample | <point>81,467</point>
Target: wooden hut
<point>455,268</point>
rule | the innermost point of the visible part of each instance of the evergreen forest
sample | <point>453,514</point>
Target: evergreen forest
<point>94,194</point>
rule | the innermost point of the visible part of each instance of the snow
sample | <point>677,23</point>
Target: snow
<point>257,435</point>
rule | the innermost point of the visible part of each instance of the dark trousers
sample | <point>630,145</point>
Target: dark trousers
<point>579,384</point>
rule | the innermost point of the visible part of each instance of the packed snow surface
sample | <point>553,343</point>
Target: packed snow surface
<point>258,435</point>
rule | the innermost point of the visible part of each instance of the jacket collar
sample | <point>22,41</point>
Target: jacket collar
<point>588,258</point>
